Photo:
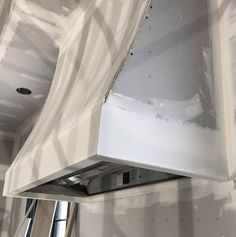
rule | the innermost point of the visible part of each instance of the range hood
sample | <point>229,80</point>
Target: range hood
<point>167,112</point>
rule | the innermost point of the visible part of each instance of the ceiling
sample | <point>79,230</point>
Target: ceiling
<point>28,54</point>
<point>28,59</point>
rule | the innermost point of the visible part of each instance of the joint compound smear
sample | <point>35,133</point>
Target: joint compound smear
<point>11,104</point>
<point>170,110</point>
<point>177,110</point>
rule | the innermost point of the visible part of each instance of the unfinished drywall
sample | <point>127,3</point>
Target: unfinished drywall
<point>166,107</point>
<point>179,127</point>
<point>184,208</point>
<point>5,7</point>
<point>12,210</point>
<point>28,56</point>
<point>6,205</point>
<point>97,38</point>
<point>228,28</point>
<point>18,204</point>
<point>6,146</point>
<point>5,151</point>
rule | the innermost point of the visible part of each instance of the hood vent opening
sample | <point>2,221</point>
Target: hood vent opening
<point>102,178</point>
<point>24,91</point>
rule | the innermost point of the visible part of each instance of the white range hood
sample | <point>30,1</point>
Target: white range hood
<point>170,109</point>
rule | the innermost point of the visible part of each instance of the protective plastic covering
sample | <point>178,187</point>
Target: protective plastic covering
<point>94,39</point>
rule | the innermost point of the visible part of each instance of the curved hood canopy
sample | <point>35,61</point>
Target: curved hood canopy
<point>164,112</point>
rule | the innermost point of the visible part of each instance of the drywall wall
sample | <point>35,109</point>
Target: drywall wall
<point>6,146</point>
<point>228,28</point>
<point>184,208</point>
<point>18,204</point>
<point>11,209</point>
<point>6,205</point>
<point>5,151</point>
<point>165,109</point>
<point>5,7</point>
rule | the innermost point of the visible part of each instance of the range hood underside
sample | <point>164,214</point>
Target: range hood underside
<point>101,178</point>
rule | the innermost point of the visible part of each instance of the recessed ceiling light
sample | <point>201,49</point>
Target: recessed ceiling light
<point>24,91</point>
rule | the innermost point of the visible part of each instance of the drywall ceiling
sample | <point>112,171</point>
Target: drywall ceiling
<point>28,57</point>
<point>5,6</point>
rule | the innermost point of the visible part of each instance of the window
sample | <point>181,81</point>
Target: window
<point>60,219</point>
<point>30,204</point>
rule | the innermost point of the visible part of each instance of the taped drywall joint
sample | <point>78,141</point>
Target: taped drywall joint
<point>234,179</point>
